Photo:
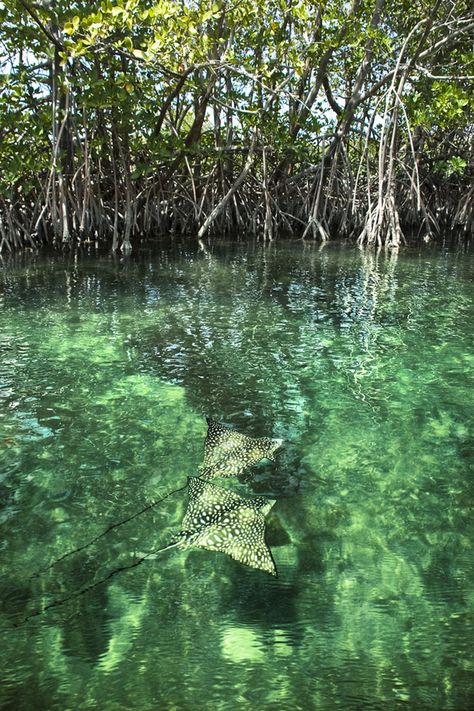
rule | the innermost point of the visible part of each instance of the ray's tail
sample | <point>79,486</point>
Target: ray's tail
<point>82,591</point>
<point>104,533</point>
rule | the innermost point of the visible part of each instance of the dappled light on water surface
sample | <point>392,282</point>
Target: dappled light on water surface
<point>362,363</point>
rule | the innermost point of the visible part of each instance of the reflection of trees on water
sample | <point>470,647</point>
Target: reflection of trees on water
<point>251,339</point>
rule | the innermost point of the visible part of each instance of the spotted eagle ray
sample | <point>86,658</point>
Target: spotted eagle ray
<point>226,453</point>
<point>229,453</point>
<point>221,520</point>
<point>216,519</point>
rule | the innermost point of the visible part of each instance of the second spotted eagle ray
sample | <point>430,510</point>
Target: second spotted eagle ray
<point>229,453</point>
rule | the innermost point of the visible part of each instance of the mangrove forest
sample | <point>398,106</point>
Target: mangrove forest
<point>129,119</point>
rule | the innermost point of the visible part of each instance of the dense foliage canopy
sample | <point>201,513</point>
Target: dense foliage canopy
<point>131,118</point>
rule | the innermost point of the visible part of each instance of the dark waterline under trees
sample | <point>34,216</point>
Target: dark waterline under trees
<point>134,118</point>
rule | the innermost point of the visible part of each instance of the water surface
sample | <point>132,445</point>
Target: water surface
<point>362,362</point>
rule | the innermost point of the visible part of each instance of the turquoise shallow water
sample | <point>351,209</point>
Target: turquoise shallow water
<point>362,363</point>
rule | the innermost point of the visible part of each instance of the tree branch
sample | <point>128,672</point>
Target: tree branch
<point>34,15</point>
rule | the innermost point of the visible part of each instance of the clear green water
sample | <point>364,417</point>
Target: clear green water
<point>364,364</point>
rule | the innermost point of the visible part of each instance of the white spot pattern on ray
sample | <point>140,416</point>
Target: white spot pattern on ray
<point>220,520</point>
<point>230,453</point>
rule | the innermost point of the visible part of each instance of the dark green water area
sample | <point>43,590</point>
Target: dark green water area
<point>362,363</point>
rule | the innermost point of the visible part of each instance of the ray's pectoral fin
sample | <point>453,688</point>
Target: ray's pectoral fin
<point>215,429</point>
<point>272,445</point>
